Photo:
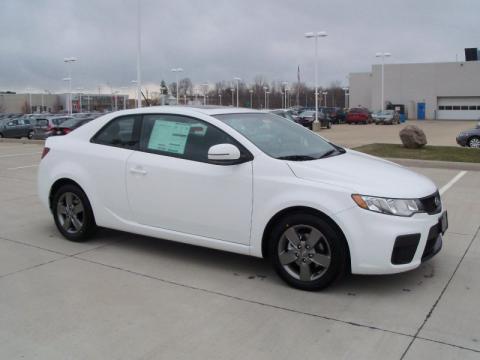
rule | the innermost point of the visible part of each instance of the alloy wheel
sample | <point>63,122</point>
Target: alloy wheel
<point>70,212</point>
<point>474,143</point>
<point>304,252</point>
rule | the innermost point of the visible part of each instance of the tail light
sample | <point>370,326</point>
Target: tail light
<point>45,152</point>
<point>66,130</point>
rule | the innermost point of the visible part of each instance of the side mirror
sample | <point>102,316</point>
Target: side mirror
<point>224,153</point>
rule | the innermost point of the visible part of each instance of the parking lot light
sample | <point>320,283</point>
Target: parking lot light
<point>316,35</point>
<point>251,98</point>
<point>205,89</point>
<point>237,79</point>
<point>285,83</point>
<point>219,98</point>
<point>265,89</point>
<point>69,61</point>
<point>325,98</point>
<point>383,56</point>
<point>347,94</point>
<point>176,71</point>
<point>232,89</point>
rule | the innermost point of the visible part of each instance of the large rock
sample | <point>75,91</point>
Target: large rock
<point>413,137</point>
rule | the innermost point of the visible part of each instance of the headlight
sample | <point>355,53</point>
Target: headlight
<point>398,207</point>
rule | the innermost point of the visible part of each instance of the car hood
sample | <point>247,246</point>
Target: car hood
<point>365,174</point>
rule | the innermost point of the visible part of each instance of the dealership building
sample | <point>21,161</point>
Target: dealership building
<point>436,91</point>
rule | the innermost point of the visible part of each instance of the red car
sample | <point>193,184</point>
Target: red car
<point>358,116</point>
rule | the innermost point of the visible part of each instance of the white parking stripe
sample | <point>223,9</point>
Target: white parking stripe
<point>23,154</point>
<point>22,167</point>
<point>451,182</point>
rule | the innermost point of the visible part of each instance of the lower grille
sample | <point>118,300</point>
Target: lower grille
<point>405,248</point>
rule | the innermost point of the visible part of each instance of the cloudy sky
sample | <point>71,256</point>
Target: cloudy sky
<point>217,40</point>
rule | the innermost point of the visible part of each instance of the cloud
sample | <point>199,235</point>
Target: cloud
<point>217,40</point>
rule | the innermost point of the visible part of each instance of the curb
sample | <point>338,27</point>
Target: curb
<point>436,164</point>
<point>22,141</point>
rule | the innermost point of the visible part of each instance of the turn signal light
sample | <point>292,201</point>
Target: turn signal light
<point>45,152</point>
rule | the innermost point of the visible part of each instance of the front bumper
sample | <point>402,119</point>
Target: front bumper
<point>372,240</point>
<point>462,140</point>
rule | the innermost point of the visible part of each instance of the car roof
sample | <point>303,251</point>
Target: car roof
<point>206,110</point>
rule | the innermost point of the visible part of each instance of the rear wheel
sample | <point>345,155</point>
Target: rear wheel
<point>474,142</point>
<point>30,134</point>
<point>307,252</point>
<point>73,214</point>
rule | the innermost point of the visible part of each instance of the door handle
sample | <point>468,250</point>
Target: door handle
<point>138,171</point>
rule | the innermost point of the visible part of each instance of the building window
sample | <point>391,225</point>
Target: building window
<point>472,107</point>
<point>448,107</point>
<point>463,107</point>
<point>441,108</point>
<point>455,107</point>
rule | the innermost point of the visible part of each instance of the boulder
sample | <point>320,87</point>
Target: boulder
<point>413,137</point>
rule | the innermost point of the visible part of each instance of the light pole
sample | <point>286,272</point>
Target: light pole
<point>139,53</point>
<point>137,99</point>
<point>268,99</point>
<point>69,61</point>
<point>205,88</point>
<point>79,91</point>
<point>347,94</point>
<point>265,89</point>
<point>325,98</point>
<point>383,56</point>
<point>316,35</point>
<point>176,71</point>
<point>29,99</point>
<point>251,98</point>
<point>219,98</point>
<point>233,94</point>
<point>237,79</point>
<point>285,83</point>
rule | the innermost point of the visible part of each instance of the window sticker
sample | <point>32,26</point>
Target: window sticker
<point>169,136</point>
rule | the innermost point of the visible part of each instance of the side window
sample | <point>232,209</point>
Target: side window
<point>181,136</point>
<point>120,132</point>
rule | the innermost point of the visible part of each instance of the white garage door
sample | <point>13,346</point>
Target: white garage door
<point>458,108</point>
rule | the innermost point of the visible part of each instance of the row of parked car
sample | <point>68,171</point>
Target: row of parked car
<point>41,126</point>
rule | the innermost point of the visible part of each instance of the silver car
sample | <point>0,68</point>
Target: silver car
<point>386,117</point>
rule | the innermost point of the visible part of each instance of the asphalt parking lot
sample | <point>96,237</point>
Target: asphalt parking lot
<point>123,296</point>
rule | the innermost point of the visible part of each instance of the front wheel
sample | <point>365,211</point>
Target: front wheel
<point>474,142</point>
<point>307,252</point>
<point>73,214</point>
<point>30,134</point>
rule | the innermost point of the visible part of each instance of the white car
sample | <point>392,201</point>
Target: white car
<point>242,181</point>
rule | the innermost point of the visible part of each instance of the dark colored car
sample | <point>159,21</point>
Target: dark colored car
<point>307,117</point>
<point>16,128</point>
<point>69,125</point>
<point>470,138</point>
<point>337,115</point>
<point>43,125</point>
<point>358,116</point>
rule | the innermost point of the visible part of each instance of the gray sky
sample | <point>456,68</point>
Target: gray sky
<point>217,40</point>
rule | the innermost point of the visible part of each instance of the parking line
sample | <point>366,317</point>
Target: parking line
<point>23,154</point>
<point>22,167</point>
<point>451,182</point>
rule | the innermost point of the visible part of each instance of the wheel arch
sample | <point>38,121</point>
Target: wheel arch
<point>308,210</point>
<point>58,184</point>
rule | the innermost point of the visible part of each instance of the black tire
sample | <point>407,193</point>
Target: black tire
<point>474,142</point>
<point>74,231</point>
<point>331,245</point>
<point>30,134</point>
<point>1,136</point>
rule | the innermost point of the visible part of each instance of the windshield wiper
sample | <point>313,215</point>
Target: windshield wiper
<point>328,153</point>
<point>296,157</point>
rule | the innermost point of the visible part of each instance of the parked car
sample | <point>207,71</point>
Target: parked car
<point>386,117</point>
<point>43,125</point>
<point>337,115</point>
<point>470,138</point>
<point>15,128</point>
<point>358,116</point>
<point>68,126</point>
<point>243,181</point>
<point>307,117</point>
<point>287,114</point>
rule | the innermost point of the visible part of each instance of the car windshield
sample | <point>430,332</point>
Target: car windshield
<point>279,137</point>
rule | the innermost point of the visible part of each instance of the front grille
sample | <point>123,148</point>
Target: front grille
<point>432,204</point>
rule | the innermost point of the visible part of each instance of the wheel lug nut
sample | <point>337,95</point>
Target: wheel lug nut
<point>296,254</point>
<point>304,260</point>
<point>299,246</point>
<point>310,255</point>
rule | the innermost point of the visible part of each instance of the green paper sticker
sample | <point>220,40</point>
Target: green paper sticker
<point>169,136</point>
